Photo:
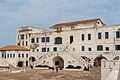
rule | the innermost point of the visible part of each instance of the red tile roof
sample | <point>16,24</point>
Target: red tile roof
<point>76,22</point>
<point>14,47</point>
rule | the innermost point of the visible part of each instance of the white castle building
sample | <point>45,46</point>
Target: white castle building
<point>70,45</point>
<point>77,44</point>
<point>14,56</point>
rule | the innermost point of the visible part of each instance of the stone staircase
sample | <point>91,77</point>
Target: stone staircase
<point>8,64</point>
<point>40,59</point>
<point>79,59</point>
<point>81,62</point>
<point>3,63</point>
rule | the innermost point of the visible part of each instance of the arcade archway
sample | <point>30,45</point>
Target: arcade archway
<point>58,62</point>
<point>20,64</point>
<point>31,61</point>
<point>97,61</point>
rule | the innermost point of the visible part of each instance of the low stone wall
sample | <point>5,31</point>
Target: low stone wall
<point>108,69</point>
<point>119,73</point>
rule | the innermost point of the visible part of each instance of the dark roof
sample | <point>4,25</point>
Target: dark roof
<point>14,47</point>
<point>76,22</point>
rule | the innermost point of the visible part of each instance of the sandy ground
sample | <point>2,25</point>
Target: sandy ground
<point>36,74</point>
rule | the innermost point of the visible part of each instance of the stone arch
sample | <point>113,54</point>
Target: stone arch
<point>116,58</point>
<point>31,61</point>
<point>97,60</point>
<point>20,64</point>
<point>58,62</point>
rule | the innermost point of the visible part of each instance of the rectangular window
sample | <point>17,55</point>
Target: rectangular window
<point>22,55</point>
<point>10,55</point>
<point>32,40</point>
<point>18,55</point>
<point>71,39</point>
<point>89,36</point>
<point>82,37</point>
<point>55,49</point>
<point>43,49</point>
<point>22,36</point>
<point>43,39</point>
<point>89,49</point>
<point>47,39</point>
<point>26,43</point>
<point>99,48</point>
<point>13,55</point>
<point>37,50</point>
<point>106,35</point>
<point>99,35</point>
<point>83,48</point>
<point>7,55</point>
<point>26,55</point>
<point>23,43</point>
<point>37,40</point>
<point>56,62</point>
<point>107,48</point>
<point>117,47</point>
<point>117,34</point>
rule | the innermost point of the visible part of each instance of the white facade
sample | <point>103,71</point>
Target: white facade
<point>14,56</point>
<point>74,43</point>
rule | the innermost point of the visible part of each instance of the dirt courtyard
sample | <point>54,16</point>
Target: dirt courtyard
<point>37,74</point>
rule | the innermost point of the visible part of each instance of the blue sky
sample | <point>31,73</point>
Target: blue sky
<point>45,13</point>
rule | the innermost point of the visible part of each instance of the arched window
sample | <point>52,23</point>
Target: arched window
<point>58,40</point>
<point>32,40</point>
<point>99,48</point>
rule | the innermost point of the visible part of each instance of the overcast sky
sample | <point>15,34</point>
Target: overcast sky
<point>45,13</point>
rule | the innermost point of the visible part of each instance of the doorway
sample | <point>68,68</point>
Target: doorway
<point>20,63</point>
<point>97,61</point>
<point>58,62</point>
<point>26,63</point>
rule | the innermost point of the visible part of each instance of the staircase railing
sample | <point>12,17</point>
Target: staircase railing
<point>39,60</point>
<point>11,66</point>
<point>82,62</point>
<point>3,62</point>
<point>79,59</point>
<point>68,46</point>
